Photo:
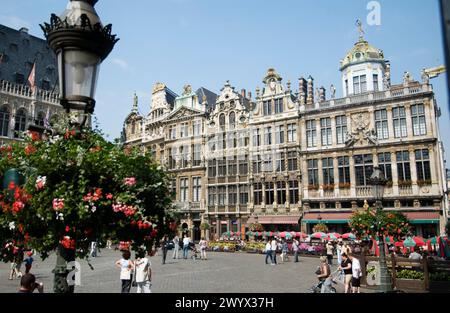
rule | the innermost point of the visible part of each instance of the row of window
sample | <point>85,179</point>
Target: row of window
<point>239,194</point>
<point>363,166</point>
<point>360,84</point>
<point>183,130</point>
<point>381,126</point>
<point>270,106</point>
<point>20,121</point>
<point>280,135</point>
<point>185,154</point>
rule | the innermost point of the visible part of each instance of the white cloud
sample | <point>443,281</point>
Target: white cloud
<point>14,22</point>
<point>121,63</point>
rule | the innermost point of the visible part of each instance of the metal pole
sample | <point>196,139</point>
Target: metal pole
<point>60,284</point>
<point>385,277</point>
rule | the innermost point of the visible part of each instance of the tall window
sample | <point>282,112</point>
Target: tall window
<point>279,105</point>
<point>197,128</point>
<point>313,172</point>
<point>221,194</point>
<point>328,171</point>
<point>40,119</point>
<point>359,84</point>
<point>418,120</point>
<point>269,193</point>
<point>232,166</point>
<point>172,132</point>
<point>279,134</point>
<point>243,138</point>
<point>21,119</point>
<point>268,165</point>
<point>423,165</point>
<point>232,120</point>
<point>257,164</point>
<point>212,168</point>
<point>196,154</point>
<point>267,107</point>
<point>344,169</point>
<point>293,192</point>
<point>311,133</point>
<point>211,196</point>
<point>268,136</point>
<point>292,133</point>
<point>184,155</point>
<point>221,139</point>
<point>325,131</point>
<point>384,162</point>
<point>363,169</point>
<point>243,194</point>
<point>243,166</point>
<point>222,167</point>
<point>222,122</point>
<point>257,193</point>
<point>346,87</point>
<point>4,121</point>
<point>281,192</point>
<point>184,189</point>
<point>341,128</point>
<point>375,82</point>
<point>232,195</point>
<point>172,160</point>
<point>403,166</point>
<point>399,119</point>
<point>184,131</point>
<point>280,165</point>
<point>292,161</point>
<point>256,138</point>
<point>381,124</point>
<point>197,189</point>
<point>173,189</point>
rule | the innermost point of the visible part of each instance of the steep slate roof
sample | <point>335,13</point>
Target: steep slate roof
<point>210,97</point>
<point>20,50</point>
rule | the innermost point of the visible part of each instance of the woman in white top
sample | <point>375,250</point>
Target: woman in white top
<point>203,244</point>
<point>143,272</point>
<point>126,271</point>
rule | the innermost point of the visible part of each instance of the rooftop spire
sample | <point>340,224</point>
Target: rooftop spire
<point>359,25</point>
<point>135,104</point>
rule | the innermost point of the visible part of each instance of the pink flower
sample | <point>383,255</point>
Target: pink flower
<point>109,196</point>
<point>58,204</point>
<point>130,181</point>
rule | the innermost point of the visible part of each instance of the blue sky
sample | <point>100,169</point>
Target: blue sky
<point>206,42</point>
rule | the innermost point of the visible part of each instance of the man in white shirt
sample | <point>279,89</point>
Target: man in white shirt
<point>143,268</point>
<point>295,249</point>
<point>186,241</point>
<point>273,248</point>
<point>268,252</point>
<point>356,274</point>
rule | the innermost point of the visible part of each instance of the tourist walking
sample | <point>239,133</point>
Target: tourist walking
<point>203,244</point>
<point>186,242</point>
<point>325,275</point>
<point>143,272</point>
<point>126,271</point>
<point>164,248</point>
<point>108,244</point>
<point>273,248</point>
<point>28,262</point>
<point>339,251</point>
<point>356,274</point>
<point>346,266</point>
<point>329,247</point>
<point>176,247</point>
<point>284,250</point>
<point>93,252</point>
<point>269,252</point>
<point>295,248</point>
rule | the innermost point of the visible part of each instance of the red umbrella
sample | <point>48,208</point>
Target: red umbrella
<point>282,234</point>
<point>349,236</point>
<point>419,241</point>
<point>301,235</point>
<point>399,244</point>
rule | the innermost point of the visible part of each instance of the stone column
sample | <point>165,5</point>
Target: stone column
<point>303,183</point>
<point>409,121</point>
<point>412,162</point>
<point>218,225</point>
<point>352,175</point>
<point>336,174</point>
<point>333,132</point>
<point>390,122</point>
<point>288,207</point>
<point>395,190</point>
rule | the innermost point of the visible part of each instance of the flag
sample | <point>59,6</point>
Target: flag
<point>47,118</point>
<point>31,78</point>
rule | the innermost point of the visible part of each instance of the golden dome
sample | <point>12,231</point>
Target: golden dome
<point>362,52</point>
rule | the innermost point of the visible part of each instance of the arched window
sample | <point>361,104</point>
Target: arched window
<point>222,122</point>
<point>232,120</point>
<point>40,119</point>
<point>21,120</point>
<point>4,121</point>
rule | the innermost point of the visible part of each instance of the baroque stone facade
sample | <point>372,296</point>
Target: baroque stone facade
<point>291,159</point>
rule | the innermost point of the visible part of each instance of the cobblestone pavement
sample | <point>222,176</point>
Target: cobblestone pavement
<point>221,273</point>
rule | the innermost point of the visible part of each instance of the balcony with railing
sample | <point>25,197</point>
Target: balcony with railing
<point>23,91</point>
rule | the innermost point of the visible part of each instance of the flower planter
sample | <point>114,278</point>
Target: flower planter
<point>414,285</point>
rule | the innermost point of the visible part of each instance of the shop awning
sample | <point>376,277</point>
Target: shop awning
<point>275,219</point>
<point>327,218</point>
<point>343,218</point>
<point>423,217</point>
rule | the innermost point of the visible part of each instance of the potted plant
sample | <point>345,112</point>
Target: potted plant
<point>404,183</point>
<point>344,185</point>
<point>320,227</point>
<point>422,183</point>
<point>328,187</point>
<point>313,187</point>
<point>205,226</point>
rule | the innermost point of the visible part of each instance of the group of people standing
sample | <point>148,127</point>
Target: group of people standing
<point>273,246</point>
<point>137,272</point>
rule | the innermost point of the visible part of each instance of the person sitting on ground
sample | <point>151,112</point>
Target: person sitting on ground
<point>28,284</point>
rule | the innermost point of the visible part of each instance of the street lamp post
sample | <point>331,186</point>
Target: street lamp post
<point>81,43</point>
<point>378,182</point>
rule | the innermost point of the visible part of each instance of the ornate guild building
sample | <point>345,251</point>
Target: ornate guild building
<point>291,159</point>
